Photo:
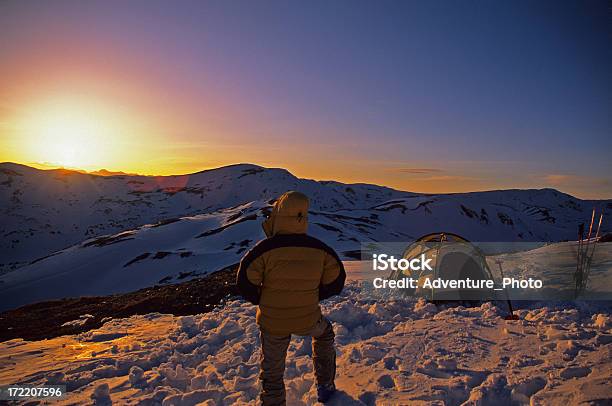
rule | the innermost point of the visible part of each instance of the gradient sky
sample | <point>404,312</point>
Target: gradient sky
<point>429,96</point>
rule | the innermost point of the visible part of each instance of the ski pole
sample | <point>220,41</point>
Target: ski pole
<point>588,241</point>
<point>578,257</point>
<point>590,257</point>
<point>583,256</point>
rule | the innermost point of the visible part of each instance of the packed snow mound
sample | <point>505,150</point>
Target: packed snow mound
<point>45,211</point>
<point>389,352</point>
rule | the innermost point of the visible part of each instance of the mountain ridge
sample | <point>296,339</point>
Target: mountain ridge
<point>109,174</point>
<point>95,235</point>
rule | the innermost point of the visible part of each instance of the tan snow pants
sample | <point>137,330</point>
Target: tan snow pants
<point>274,352</point>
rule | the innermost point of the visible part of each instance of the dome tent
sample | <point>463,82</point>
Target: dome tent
<point>452,258</point>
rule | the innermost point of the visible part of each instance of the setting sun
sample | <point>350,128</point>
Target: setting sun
<point>71,133</point>
<point>72,138</point>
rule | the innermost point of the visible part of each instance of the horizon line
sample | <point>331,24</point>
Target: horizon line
<point>49,167</point>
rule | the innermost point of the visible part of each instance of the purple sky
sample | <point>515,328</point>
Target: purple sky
<point>426,96</point>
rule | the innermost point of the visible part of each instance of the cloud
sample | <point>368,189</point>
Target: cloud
<point>422,174</point>
<point>448,178</point>
<point>419,171</point>
<point>587,187</point>
<point>557,179</point>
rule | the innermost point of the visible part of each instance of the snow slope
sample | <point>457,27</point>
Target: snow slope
<point>42,211</point>
<point>58,226</point>
<point>389,352</point>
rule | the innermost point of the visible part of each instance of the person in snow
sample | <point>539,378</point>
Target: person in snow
<point>287,275</point>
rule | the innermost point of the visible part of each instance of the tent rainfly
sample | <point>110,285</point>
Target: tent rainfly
<point>453,258</point>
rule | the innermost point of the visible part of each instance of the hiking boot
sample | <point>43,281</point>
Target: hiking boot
<point>324,392</point>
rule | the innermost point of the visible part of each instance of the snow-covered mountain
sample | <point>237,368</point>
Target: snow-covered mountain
<point>43,211</point>
<point>73,234</point>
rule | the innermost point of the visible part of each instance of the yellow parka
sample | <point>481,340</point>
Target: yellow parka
<point>288,273</point>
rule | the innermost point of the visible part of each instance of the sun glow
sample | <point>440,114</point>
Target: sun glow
<point>72,138</point>
<point>73,134</point>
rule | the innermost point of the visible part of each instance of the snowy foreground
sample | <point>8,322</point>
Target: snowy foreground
<point>399,352</point>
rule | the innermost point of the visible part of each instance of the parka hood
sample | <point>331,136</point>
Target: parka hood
<point>289,215</point>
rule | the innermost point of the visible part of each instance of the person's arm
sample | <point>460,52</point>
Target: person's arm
<point>250,276</point>
<point>332,280</point>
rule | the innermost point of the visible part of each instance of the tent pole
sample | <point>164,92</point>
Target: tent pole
<point>511,316</point>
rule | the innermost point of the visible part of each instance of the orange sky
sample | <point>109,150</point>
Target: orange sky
<point>91,86</point>
<point>143,135</point>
